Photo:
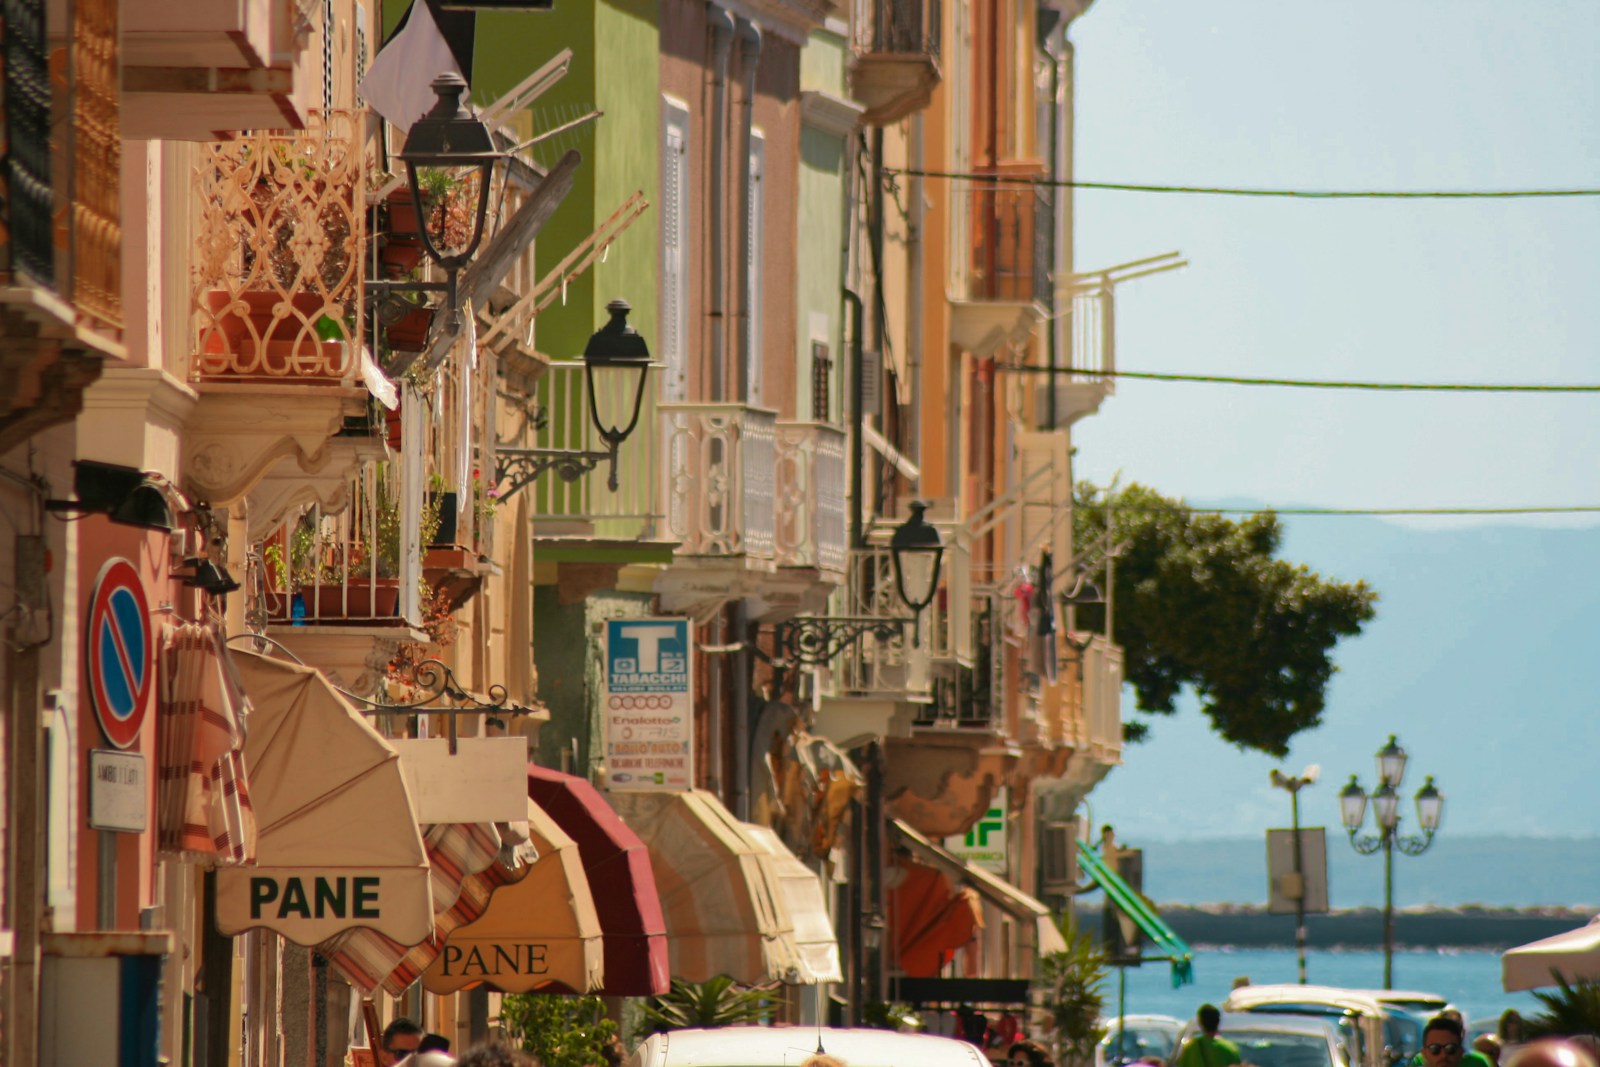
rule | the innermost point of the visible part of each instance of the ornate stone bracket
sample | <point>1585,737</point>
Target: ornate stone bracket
<point>238,432</point>
<point>290,484</point>
<point>941,784</point>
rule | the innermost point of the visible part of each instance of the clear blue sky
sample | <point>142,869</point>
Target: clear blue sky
<point>1403,94</point>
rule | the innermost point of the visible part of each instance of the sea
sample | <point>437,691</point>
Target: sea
<point>1469,978</point>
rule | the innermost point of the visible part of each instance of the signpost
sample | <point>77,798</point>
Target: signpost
<point>649,717</point>
<point>119,652</point>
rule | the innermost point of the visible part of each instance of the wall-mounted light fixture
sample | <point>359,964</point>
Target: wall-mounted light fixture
<point>127,495</point>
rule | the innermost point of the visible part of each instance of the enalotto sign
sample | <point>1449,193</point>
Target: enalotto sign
<point>648,712</point>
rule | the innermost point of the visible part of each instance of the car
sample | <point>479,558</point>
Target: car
<point>1407,1014</point>
<point>789,1046</point>
<point>1373,1033</point>
<point>1270,1039</point>
<point>1140,1036</point>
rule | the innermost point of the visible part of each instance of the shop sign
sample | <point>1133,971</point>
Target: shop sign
<point>119,652</point>
<point>649,720</point>
<point>495,960</point>
<point>985,844</point>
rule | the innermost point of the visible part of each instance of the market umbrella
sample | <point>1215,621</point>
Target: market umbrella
<point>1570,957</point>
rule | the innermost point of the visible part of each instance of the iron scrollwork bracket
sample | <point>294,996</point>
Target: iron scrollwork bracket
<point>521,466</point>
<point>812,641</point>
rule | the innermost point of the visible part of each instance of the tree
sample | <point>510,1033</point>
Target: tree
<point>1573,1009</point>
<point>1203,601</point>
<point>562,1031</point>
<point>1070,982</point>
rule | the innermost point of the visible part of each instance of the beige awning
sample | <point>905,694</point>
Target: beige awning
<point>540,933</point>
<point>999,892</point>
<point>1572,957</point>
<point>719,891</point>
<point>337,846</point>
<point>801,889</point>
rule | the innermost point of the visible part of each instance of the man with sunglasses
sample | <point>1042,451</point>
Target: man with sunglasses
<point>1443,1045</point>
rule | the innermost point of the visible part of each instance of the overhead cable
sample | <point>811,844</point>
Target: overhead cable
<point>1225,190</point>
<point>1313,383</point>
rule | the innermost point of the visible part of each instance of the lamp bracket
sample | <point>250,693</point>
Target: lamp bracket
<point>521,466</point>
<point>812,641</point>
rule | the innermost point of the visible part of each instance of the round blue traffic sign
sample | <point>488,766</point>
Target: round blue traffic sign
<point>120,652</point>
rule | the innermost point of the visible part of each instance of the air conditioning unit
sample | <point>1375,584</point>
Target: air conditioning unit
<point>1058,857</point>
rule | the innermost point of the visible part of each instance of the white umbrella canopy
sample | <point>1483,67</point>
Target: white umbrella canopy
<point>1573,956</point>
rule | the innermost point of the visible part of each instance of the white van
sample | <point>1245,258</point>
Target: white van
<point>1380,1028</point>
<point>789,1046</point>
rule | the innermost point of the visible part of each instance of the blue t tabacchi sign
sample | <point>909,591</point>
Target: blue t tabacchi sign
<point>649,711</point>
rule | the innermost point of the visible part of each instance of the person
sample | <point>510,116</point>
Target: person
<point>1511,1033</point>
<point>1206,1049</point>
<point>1465,1057</point>
<point>496,1054</point>
<point>612,1051</point>
<point>1552,1052</point>
<point>1489,1046</point>
<point>433,1043</point>
<point>1027,1053</point>
<point>399,1039</point>
<point>428,1058</point>
<point>1441,1042</point>
<point>821,1059</point>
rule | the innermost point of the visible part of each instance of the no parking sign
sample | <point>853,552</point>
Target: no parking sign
<point>120,652</point>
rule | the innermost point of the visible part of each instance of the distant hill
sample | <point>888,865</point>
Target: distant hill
<point>1455,871</point>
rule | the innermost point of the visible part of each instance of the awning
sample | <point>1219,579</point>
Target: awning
<point>801,890</point>
<point>1143,913</point>
<point>464,869</point>
<point>337,845</point>
<point>719,891</point>
<point>1570,957</point>
<point>634,934</point>
<point>929,917</point>
<point>999,892</point>
<point>204,796</point>
<point>538,934</point>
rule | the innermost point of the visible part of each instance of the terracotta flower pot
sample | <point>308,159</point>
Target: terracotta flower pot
<point>410,333</point>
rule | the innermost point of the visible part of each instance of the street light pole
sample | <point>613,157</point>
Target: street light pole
<point>1294,785</point>
<point>1386,815</point>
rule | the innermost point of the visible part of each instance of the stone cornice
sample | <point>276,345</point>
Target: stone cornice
<point>830,113</point>
<point>793,20</point>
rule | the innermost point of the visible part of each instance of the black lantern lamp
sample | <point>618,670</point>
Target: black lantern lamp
<point>615,352</point>
<point>126,495</point>
<point>451,136</point>
<point>918,552</point>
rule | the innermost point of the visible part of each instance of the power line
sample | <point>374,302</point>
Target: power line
<point>1573,509</point>
<point>1224,190</point>
<point>1311,383</point>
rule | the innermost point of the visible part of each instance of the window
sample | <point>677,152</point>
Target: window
<point>821,381</point>
<point>674,248</point>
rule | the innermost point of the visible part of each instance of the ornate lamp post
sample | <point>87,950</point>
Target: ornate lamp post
<point>1386,815</point>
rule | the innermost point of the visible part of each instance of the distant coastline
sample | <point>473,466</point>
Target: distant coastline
<point>1464,928</point>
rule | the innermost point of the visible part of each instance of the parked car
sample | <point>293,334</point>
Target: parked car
<point>1404,1034</point>
<point>1270,1039</point>
<point>788,1046</point>
<point>1138,1037</point>
<point>1374,1034</point>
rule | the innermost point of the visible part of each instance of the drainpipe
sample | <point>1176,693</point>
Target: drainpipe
<point>744,710</point>
<point>857,420</point>
<point>749,59</point>
<point>914,285</point>
<point>721,45</point>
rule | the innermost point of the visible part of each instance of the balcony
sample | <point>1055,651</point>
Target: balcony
<point>60,215</point>
<point>809,523</point>
<point>896,66</point>
<point>1090,335</point>
<point>1087,713</point>
<point>720,485</point>
<point>277,342</point>
<point>1012,230</point>
<point>203,70</point>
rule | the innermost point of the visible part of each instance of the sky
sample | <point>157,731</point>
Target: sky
<point>1366,94</point>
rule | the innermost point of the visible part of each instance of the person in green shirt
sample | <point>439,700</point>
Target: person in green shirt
<point>1206,1049</point>
<point>1443,1044</point>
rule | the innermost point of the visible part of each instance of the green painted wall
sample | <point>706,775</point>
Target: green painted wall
<point>569,656</point>
<point>821,190</point>
<point>822,63</point>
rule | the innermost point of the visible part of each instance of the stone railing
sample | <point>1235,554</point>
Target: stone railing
<point>720,479</point>
<point>810,519</point>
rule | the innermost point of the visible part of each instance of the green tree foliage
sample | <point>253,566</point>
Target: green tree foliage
<point>1572,1009</point>
<point>1203,601</point>
<point>560,1031</point>
<point>718,1002</point>
<point>1070,982</point>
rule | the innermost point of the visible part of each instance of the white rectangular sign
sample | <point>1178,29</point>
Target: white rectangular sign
<point>985,844</point>
<point>648,705</point>
<point>118,792</point>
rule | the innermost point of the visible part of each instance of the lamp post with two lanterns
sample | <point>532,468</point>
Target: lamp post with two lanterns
<point>1386,815</point>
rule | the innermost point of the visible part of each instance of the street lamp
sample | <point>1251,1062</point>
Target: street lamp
<point>917,552</point>
<point>614,355</point>
<point>1386,815</point>
<point>1293,785</point>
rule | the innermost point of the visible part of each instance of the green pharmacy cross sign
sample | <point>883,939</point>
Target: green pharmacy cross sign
<point>985,844</point>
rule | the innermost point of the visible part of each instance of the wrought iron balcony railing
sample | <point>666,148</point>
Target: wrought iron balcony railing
<point>278,264</point>
<point>809,526</point>
<point>899,27</point>
<point>720,479</point>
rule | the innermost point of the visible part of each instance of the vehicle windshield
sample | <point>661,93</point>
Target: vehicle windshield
<point>1265,1048</point>
<point>1138,1041</point>
<point>1402,1033</point>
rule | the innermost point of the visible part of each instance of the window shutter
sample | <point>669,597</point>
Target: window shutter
<point>674,248</point>
<point>753,241</point>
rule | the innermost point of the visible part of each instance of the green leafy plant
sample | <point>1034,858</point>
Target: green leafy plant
<point>718,1002</point>
<point>890,1015</point>
<point>560,1031</point>
<point>1070,983</point>
<point>1572,1009</point>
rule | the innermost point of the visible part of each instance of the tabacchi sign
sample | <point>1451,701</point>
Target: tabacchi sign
<point>648,710</point>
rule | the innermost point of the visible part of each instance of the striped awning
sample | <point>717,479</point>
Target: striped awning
<point>801,889</point>
<point>722,898</point>
<point>464,870</point>
<point>203,792</point>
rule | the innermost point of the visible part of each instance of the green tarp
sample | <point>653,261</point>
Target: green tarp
<point>1127,899</point>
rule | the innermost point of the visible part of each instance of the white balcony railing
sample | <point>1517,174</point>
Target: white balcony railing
<point>809,528</point>
<point>720,479</point>
<point>898,668</point>
<point>1100,728</point>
